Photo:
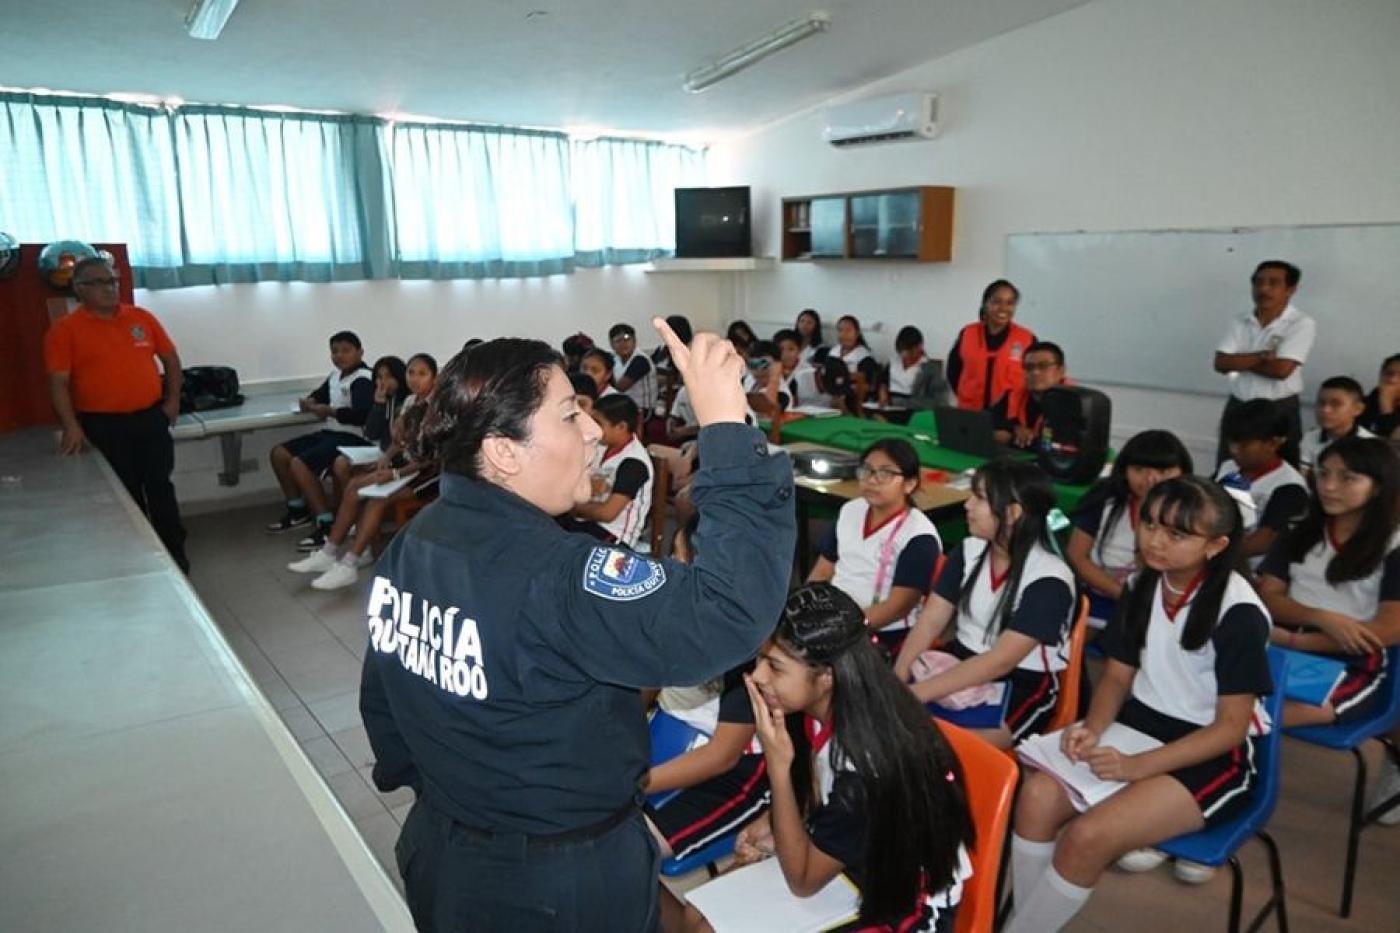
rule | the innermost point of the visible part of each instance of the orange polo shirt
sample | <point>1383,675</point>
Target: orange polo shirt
<point>111,363</point>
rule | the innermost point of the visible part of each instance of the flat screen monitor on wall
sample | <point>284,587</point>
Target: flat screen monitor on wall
<point>712,222</point>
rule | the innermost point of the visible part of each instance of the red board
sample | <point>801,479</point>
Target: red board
<point>24,319</point>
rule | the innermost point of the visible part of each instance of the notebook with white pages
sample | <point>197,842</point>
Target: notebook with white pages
<point>368,455</point>
<point>1077,778</point>
<point>756,899</point>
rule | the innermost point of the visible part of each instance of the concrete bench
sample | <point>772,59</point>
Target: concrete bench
<point>257,413</point>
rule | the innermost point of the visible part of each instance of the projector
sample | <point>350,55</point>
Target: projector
<point>825,465</point>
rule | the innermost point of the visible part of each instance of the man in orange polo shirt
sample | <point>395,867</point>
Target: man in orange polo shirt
<point>109,393</point>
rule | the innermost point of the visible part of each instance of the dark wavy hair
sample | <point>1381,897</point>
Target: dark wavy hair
<point>427,359</point>
<point>1155,450</point>
<point>1004,483</point>
<point>1366,549</point>
<point>916,810</point>
<point>416,446</point>
<point>1194,506</point>
<point>399,370</point>
<point>492,389</point>
<point>816,340</point>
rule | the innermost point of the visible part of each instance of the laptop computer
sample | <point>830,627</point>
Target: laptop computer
<point>970,432</point>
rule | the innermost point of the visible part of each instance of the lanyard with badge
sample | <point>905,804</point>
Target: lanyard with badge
<point>882,570</point>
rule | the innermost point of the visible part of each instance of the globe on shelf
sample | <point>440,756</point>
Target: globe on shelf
<point>9,255</point>
<point>56,261</point>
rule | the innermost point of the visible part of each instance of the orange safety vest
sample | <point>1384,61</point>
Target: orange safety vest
<point>1007,373</point>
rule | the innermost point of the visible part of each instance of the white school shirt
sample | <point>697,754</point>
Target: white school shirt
<point>1313,443</point>
<point>852,358</point>
<point>858,557</point>
<point>1357,599</point>
<point>1182,684</point>
<point>976,625</point>
<point>1115,548</point>
<point>1262,490</point>
<point>902,378</point>
<point>1290,335</point>
<point>338,386</point>
<point>643,391</point>
<point>801,385</point>
<point>627,526</point>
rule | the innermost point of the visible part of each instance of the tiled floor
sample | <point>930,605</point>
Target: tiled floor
<point>303,648</point>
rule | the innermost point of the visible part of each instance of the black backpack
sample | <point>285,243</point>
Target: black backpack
<point>208,387</point>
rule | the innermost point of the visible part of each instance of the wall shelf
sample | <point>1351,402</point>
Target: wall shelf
<point>907,224</point>
<point>736,264</point>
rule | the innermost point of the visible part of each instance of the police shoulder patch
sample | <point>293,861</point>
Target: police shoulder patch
<point>620,575</point>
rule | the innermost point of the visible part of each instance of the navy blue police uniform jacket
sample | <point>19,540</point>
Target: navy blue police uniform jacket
<point>505,654</point>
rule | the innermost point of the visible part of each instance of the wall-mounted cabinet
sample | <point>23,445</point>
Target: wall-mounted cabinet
<point>912,224</point>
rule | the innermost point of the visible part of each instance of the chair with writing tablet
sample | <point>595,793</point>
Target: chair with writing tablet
<point>1351,737</point>
<point>1218,845</point>
<point>990,779</point>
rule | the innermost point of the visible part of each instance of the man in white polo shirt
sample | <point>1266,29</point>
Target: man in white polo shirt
<point>1263,352</point>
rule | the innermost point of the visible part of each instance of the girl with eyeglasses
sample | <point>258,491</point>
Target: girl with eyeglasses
<point>1187,663</point>
<point>1011,597</point>
<point>881,551</point>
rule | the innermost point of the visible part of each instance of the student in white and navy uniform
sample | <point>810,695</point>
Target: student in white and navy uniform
<point>1013,599</point>
<point>809,332</point>
<point>1103,546</point>
<point>1188,661</point>
<point>633,373</point>
<point>881,550</point>
<point>343,402</point>
<point>1333,583</point>
<point>623,477</point>
<point>722,784</point>
<point>597,365</point>
<point>852,349</point>
<point>799,375</point>
<point>1340,404</point>
<point>909,358</point>
<point>1255,433</point>
<point>901,834</point>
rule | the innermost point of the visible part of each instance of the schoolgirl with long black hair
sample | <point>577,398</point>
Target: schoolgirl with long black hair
<point>1012,597</point>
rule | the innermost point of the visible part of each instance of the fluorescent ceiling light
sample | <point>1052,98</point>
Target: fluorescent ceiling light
<point>206,18</point>
<point>755,51</point>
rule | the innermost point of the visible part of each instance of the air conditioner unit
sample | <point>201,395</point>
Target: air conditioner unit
<point>882,120</point>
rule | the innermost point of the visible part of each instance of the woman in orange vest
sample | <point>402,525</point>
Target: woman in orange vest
<point>985,362</point>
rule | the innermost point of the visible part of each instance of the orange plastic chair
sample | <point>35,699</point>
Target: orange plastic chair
<point>989,778</point>
<point>1067,707</point>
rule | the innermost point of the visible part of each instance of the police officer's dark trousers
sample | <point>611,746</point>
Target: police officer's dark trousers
<point>141,451</point>
<point>460,879</point>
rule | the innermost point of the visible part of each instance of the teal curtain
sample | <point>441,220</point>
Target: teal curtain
<point>79,168</point>
<point>624,201</point>
<point>206,194</point>
<point>275,196</point>
<point>475,202</point>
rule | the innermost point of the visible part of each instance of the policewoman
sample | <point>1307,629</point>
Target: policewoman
<point>505,654</point>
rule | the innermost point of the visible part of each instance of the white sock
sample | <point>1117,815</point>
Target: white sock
<point>1050,905</point>
<point>1029,860</point>
<point>330,550</point>
<point>349,559</point>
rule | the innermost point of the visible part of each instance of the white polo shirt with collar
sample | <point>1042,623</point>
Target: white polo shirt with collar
<point>1290,336</point>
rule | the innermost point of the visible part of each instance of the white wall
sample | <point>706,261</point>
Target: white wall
<point>1118,115</point>
<point>274,332</point>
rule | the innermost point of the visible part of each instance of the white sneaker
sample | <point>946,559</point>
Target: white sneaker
<point>365,560</point>
<point>1142,860</point>
<point>1387,785</point>
<point>335,578</point>
<point>315,562</point>
<point>1192,872</point>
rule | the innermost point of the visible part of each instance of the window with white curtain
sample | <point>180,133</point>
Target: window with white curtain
<point>207,194</point>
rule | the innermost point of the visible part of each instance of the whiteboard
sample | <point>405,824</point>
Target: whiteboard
<point>1148,308</point>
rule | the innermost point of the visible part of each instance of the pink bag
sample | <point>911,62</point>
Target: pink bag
<point>932,663</point>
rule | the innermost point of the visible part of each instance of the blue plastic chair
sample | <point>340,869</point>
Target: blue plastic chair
<point>671,738</point>
<point>1219,844</point>
<point>1351,737</point>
